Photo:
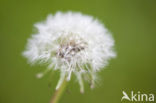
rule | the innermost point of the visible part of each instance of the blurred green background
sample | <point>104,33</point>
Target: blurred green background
<point>132,23</point>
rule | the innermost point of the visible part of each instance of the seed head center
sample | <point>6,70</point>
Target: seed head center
<point>70,49</point>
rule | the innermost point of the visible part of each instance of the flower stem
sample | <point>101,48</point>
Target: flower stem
<point>58,93</point>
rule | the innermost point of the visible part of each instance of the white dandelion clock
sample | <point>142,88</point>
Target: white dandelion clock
<point>72,43</point>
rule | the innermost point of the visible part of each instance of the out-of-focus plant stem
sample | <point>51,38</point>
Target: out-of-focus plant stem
<point>58,93</point>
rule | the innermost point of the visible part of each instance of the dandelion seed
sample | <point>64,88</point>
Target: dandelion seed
<point>72,43</point>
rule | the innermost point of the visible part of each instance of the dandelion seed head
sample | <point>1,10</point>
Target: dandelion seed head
<point>71,43</point>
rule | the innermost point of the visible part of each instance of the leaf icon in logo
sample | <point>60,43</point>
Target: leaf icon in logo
<point>125,96</point>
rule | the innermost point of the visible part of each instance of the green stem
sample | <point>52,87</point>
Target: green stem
<point>58,93</point>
